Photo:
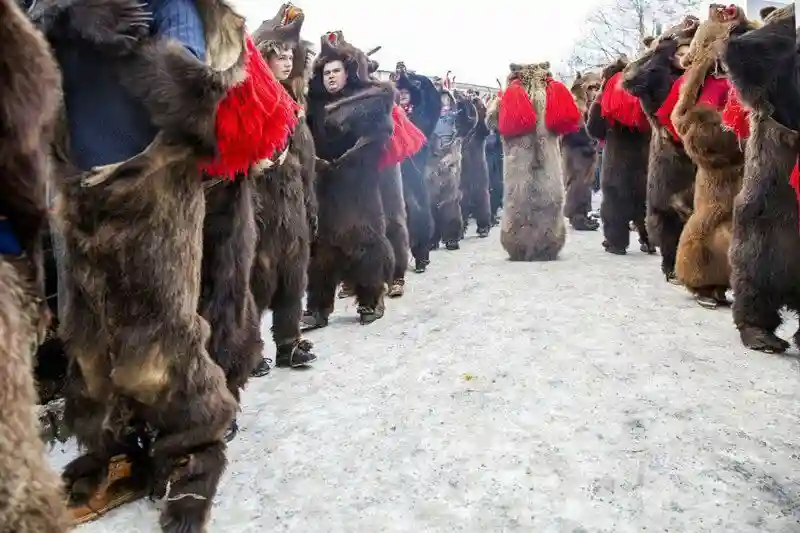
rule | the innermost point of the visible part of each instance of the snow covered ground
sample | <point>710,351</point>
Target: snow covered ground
<point>577,396</point>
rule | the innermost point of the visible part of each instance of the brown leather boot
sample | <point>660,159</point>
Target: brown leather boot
<point>397,289</point>
<point>122,485</point>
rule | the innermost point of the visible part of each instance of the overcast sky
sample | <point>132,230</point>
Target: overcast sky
<point>433,36</point>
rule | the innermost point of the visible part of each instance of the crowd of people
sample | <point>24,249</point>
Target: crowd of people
<point>170,178</point>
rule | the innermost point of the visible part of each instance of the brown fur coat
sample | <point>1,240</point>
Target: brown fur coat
<point>30,495</point>
<point>533,227</point>
<point>579,154</point>
<point>702,260</point>
<point>133,232</point>
<point>285,199</point>
<point>765,250</point>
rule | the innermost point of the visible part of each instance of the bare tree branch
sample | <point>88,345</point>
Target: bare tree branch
<point>620,26</point>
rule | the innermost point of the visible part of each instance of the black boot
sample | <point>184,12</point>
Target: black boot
<point>369,314</point>
<point>452,245</point>
<point>616,250</point>
<point>297,353</point>
<point>420,265</point>
<point>313,320</point>
<point>483,232</point>
<point>584,223</point>
<point>233,430</point>
<point>262,368</point>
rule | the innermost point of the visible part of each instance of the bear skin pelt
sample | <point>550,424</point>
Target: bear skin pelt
<point>226,298</point>
<point>350,130</point>
<point>579,159</point>
<point>623,174</point>
<point>425,107</point>
<point>475,174</point>
<point>443,173</point>
<point>286,206</point>
<point>30,490</point>
<point>394,209</point>
<point>670,172</point>
<point>533,226</point>
<point>765,248</point>
<point>133,234</point>
<point>702,263</point>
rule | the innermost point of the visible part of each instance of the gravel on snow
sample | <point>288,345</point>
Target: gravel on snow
<point>581,395</point>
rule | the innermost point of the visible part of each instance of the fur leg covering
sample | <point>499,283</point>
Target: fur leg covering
<point>418,205</point>
<point>33,502</point>
<point>394,209</point>
<point>226,302</point>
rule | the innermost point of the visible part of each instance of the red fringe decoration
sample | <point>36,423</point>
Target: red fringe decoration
<point>665,111</point>
<point>620,106</point>
<point>794,181</point>
<point>714,92</point>
<point>735,116</point>
<point>406,139</point>
<point>561,115</point>
<point>516,115</point>
<point>253,121</point>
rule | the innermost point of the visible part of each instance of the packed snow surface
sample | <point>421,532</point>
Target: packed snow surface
<point>576,396</point>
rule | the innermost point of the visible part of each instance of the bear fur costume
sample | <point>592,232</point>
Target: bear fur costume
<point>285,201</point>
<point>394,209</point>
<point>702,264</point>
<point>494,162</point>
<point>350,130</point>
<point>443,169</point>
<point>140,369</point>
<point>670,172</point>
<point>423,110</point>
<point>533,226</point>
<point>579,159</point>
<point>623,173</point>
<point>765,248</point>
<point>29,90</point>
<point>475,175</point>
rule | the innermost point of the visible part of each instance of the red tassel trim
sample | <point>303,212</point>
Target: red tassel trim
<point>794,181</point>
<point>516,115</point>
<point>735,116</point>
<point>406,140</point>
<point>561,115</point>
<point>253,121</point>
<point>664,113</point>
<point>714,92</point>
<point>619,106</point>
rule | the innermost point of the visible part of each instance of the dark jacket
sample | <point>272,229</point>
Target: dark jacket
<point>106,124</point>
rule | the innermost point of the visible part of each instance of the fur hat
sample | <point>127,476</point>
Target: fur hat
<point>334,47</point>
<point>282,30</point>
<point>723,21</point>
<point>683,32</point>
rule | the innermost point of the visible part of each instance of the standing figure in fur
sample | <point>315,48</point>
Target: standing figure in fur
<point>147,404</point>
<point>457,119</point>
<point>285,199</point>
<point>494,161</point>
<point>531,114</point>
<point>579,158</point>
<point>670,172</point>
<point>765,249</point>
<point>405,142</point>
<point>350,116</point>
<point>29,90</point>
<point>422,103</point>
<point>616,118</point>
<point>475,174</point>
<point>702,263</point>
